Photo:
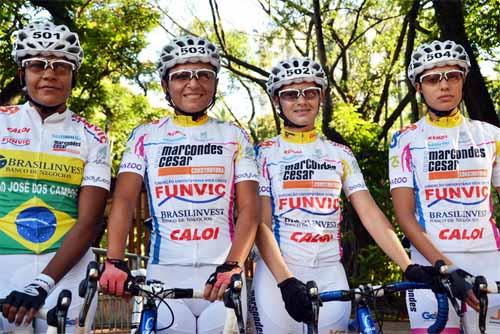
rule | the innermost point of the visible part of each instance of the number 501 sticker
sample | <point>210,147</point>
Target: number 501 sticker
<point>46,35</point>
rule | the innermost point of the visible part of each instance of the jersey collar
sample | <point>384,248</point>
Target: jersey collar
<point>187,121</point>
<point>447,121</point>
<point>54,118</point>
<point>299,137</point>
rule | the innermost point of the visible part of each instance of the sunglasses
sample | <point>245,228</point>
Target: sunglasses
<point>202,75</point>
<point>309,93</point>
<point>433,78</point>
<point>38,65</point>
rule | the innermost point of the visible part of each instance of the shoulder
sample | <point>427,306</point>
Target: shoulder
<point>91,130</point>
<point>231,126</point>
<point>406,133</point>
<point>267,145</point>
<point>336,147</point>
<point>482,126</point>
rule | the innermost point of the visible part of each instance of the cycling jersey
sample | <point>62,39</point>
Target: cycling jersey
<point>190,170</point>
<point>304,174</point>
<point>43,164</point>
<point>450,163</point>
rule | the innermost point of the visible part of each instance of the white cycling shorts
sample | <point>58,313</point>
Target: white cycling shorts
<point>422,306</point>
<point>267,308</point>
<point>192,315</point>
<point>18,270</point>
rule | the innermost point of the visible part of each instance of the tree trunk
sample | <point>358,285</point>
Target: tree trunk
<point>479,104</point>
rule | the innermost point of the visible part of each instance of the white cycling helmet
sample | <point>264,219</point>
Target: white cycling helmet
<point>45,38</point>
<point>188,49</point>
<point>435,54</point>
<point>295,70</point>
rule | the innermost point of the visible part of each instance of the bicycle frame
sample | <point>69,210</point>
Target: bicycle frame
<point>145,294</point>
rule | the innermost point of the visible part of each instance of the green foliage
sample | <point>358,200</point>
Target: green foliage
<point>358,132</point>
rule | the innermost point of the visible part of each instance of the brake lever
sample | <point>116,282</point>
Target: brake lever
<point>446,284</point>
<point>480,290</point>
<point>312,290</point>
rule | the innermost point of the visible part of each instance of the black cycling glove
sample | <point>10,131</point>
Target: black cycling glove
<point>461,282</point>
<point>424,274</point>
<point>32,295</point>
<point>297,301</point>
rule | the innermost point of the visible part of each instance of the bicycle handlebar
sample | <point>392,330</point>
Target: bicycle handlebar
<point>56,316</point>
<point>379,291</point>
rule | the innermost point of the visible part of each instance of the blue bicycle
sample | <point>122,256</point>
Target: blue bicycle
<point>361,297</point>
<point>147,295</point>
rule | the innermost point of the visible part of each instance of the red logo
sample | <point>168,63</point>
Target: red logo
<point>461,234</point>
<point>9,110</point>
<point>311,237</point>
<point>210,233</point>
<point>19,130</point>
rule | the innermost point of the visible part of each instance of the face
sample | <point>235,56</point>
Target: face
<point>50,86</point>
<point>193,94</point>
<point>445,94</point>
<point>301,111</point>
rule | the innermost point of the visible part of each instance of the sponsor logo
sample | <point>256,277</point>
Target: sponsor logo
<point>182,155</point>
<point>311,237</point>
<point>188,234</point>
<point>306,203</point>
<point>130,165</point>
<point>399,180</point>
<point>65,146</point>
<point>192,214</point>
<point>457,195</point>
<point>254,311</point>
<point>9,110</point>
<point>439,138</point>
<point>395,137</point>
<point>16,141</point>
<point>412,302</point>
<point>444,164</point>
<point>184,192</point>
<point>290,151</point>
<point>394,161</point>
<point>92,129</point>
<point>429,316</point>
<point>102,156</point>
<point>461,234</point>
<point>19,130</point>
<point>3,161</point>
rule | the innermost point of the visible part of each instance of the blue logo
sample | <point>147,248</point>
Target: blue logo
<point>429,316</point>
<point>36,224</point>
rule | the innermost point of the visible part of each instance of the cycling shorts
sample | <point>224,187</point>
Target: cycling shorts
<point>191,315</point>
<point>25,267</point>
<point>267,308</point>
<point>422,306</point>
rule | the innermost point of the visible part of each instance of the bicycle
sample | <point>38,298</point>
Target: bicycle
<point>146,293</point>
<point>481,288</point>
<point>362,296</point>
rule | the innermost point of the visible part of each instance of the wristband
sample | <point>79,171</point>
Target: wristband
<point>45,282</point>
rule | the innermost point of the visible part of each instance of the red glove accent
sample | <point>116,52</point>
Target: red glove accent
<point>114,277</point>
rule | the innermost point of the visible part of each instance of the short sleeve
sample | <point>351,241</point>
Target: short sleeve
<point>97,170</point>
<point>245,164</point>
<point>134,156</point>
<point>264,180</point>
<point>352,178</point>
<point>400,166</point>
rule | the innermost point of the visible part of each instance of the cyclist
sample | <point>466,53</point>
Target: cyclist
<point>54,179</point>
<point>197,171</point>
<point>302,176</point>
<point>441,169</point>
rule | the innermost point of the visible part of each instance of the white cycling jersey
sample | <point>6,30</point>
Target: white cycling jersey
<point>304,174</point>
<point>190,170</point>
<point>450,163</point>
<point>43,164</point>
